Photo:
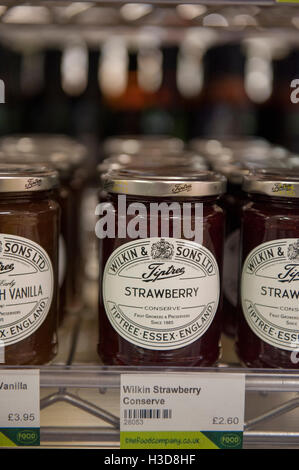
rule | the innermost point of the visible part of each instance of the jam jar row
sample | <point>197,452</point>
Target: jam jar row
<point>163,229</point>
<point>147,315</point>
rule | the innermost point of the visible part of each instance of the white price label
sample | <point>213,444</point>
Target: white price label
<point>202,409</point>
<point>19,398</point>
<point>19,407</point>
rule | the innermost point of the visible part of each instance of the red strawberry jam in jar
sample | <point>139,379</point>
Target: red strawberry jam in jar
<point>160,275</point>
<point>29,231</point>
<point>268,321</point>
<point>233,201</point>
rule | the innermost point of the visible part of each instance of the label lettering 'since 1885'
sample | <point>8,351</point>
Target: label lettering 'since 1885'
<point>26,287</point>
<point>270,292</point>
<point>161,293</point>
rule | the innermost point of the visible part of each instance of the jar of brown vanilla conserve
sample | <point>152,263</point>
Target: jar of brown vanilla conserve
<point>67,157</point>
<point>29,231</point>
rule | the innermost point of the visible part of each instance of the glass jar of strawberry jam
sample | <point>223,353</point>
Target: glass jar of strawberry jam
<point>29,231</point>
<point>268,321</point>
<point>161,265</point>
<point>233,201</point>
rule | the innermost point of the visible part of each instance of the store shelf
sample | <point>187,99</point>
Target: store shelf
<point>110,439</point>
<point>80,397</point>
<point>109,377</point>
<point>271,418</point>
<point>200,23</point>
<point>85,18</point>
<point>147,2</point>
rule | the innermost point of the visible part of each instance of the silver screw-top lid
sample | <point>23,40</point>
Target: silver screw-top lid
<point>15,178</point>
<point>207,146</point>
<point>280,182</point>
<point>138,144</point>
<point>216,145</point>
<point>235,171</point>
<point>245,142</point>
<point>293,161</point>
<point>184,159</point>
<point>59,150</point>
<point>165,182</point>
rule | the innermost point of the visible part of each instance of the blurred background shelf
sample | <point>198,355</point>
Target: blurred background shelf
<point>48,17</point>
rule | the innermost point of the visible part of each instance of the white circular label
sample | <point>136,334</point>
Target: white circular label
<point>161,293</point>
<point>26,287</point>
<point>270,292</point>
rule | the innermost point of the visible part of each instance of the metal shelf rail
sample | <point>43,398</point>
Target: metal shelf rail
<point>50,3</point>
<point>59,22</point>
<point>85,16</point>
<point>106,378</point>
<point>60,383</point>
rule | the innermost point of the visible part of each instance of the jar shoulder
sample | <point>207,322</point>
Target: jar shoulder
<point>19,206</point>
<point>264,210</point>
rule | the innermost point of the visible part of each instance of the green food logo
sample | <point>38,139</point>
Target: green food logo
<point>27,436</point>
<point>231,440</point>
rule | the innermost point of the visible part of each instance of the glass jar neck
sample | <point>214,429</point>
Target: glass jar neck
<point>273,200</point>
<point>29,196</point>
<point>114,197</point>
